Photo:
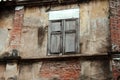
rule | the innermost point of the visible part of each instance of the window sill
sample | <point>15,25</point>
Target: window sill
<point>102,56</point>
<point>70,56</point>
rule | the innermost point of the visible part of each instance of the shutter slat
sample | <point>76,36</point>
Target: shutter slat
<point>56,32</point>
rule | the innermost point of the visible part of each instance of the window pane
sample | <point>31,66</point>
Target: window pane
<point>55,43</point>
<point>70,42</point>
<point>56,26</point>
<point>70,25</point>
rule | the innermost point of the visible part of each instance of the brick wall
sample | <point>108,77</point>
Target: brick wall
<point>115,33</point>
<point>115,24</point>
<point>15,36</point>
<point>61,70</point>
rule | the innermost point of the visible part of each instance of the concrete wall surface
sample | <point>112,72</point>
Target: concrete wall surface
<point>25,28</point>
<point>29,29</point>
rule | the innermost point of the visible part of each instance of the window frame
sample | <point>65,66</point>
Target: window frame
<point>63,25</point>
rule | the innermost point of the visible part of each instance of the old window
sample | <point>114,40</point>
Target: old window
<point>63,32</point>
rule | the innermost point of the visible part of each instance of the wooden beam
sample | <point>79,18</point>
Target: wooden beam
<point>64,57</point>
<point>38,2</point>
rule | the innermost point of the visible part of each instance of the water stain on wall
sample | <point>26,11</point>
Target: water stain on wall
<point>41,35</point>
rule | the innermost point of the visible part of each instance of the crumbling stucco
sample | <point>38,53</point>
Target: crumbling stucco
<point>95,70</point>
<point>94,39</point>
<point>2,70</point>
<point>6,24</point>
<point>11,71</point>
<point>3,38</point>
<point>94,29</point>
<point>30,71</point>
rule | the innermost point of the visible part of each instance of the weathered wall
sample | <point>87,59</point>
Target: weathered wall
<point>28,29</point>
<point>15,35</point>
<point>2,70</point>
<point>30,25</point>
<point>115,34</point>
<point>95,39</point>
<point>115,24</point>
<point>50,70</point>
<point>62,70</point>
<point>94,29</point>
<point>6,24</point>
<point>95,70</point>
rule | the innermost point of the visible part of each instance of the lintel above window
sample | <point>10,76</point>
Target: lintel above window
<point>64,14</point>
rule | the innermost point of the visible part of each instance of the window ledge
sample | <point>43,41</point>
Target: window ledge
<point>70,56</point>
<point>101,56</point>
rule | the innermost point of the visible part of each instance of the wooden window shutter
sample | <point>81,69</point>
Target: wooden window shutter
<point>70,41</point>
<point>63,36</point>
<point>55,37</point>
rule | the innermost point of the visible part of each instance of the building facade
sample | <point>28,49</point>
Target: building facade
<point>58,39</point>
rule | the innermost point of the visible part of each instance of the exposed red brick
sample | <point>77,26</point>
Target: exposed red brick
<point>64,70</point>
<point>115,24</point>
<point>115,31</point>
<point>16,31</point>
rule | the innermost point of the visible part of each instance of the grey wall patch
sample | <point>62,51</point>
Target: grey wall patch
<point>3,38</point>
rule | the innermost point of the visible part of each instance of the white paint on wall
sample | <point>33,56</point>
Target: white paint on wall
<point>19,7</point>
<point>64,14</point>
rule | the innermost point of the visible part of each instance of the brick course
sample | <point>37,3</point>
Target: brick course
<point>15,36</point>
<point>115,24</point>
<point>62,70</point>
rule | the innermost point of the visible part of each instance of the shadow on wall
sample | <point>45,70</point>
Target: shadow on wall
<point>6,12</point>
